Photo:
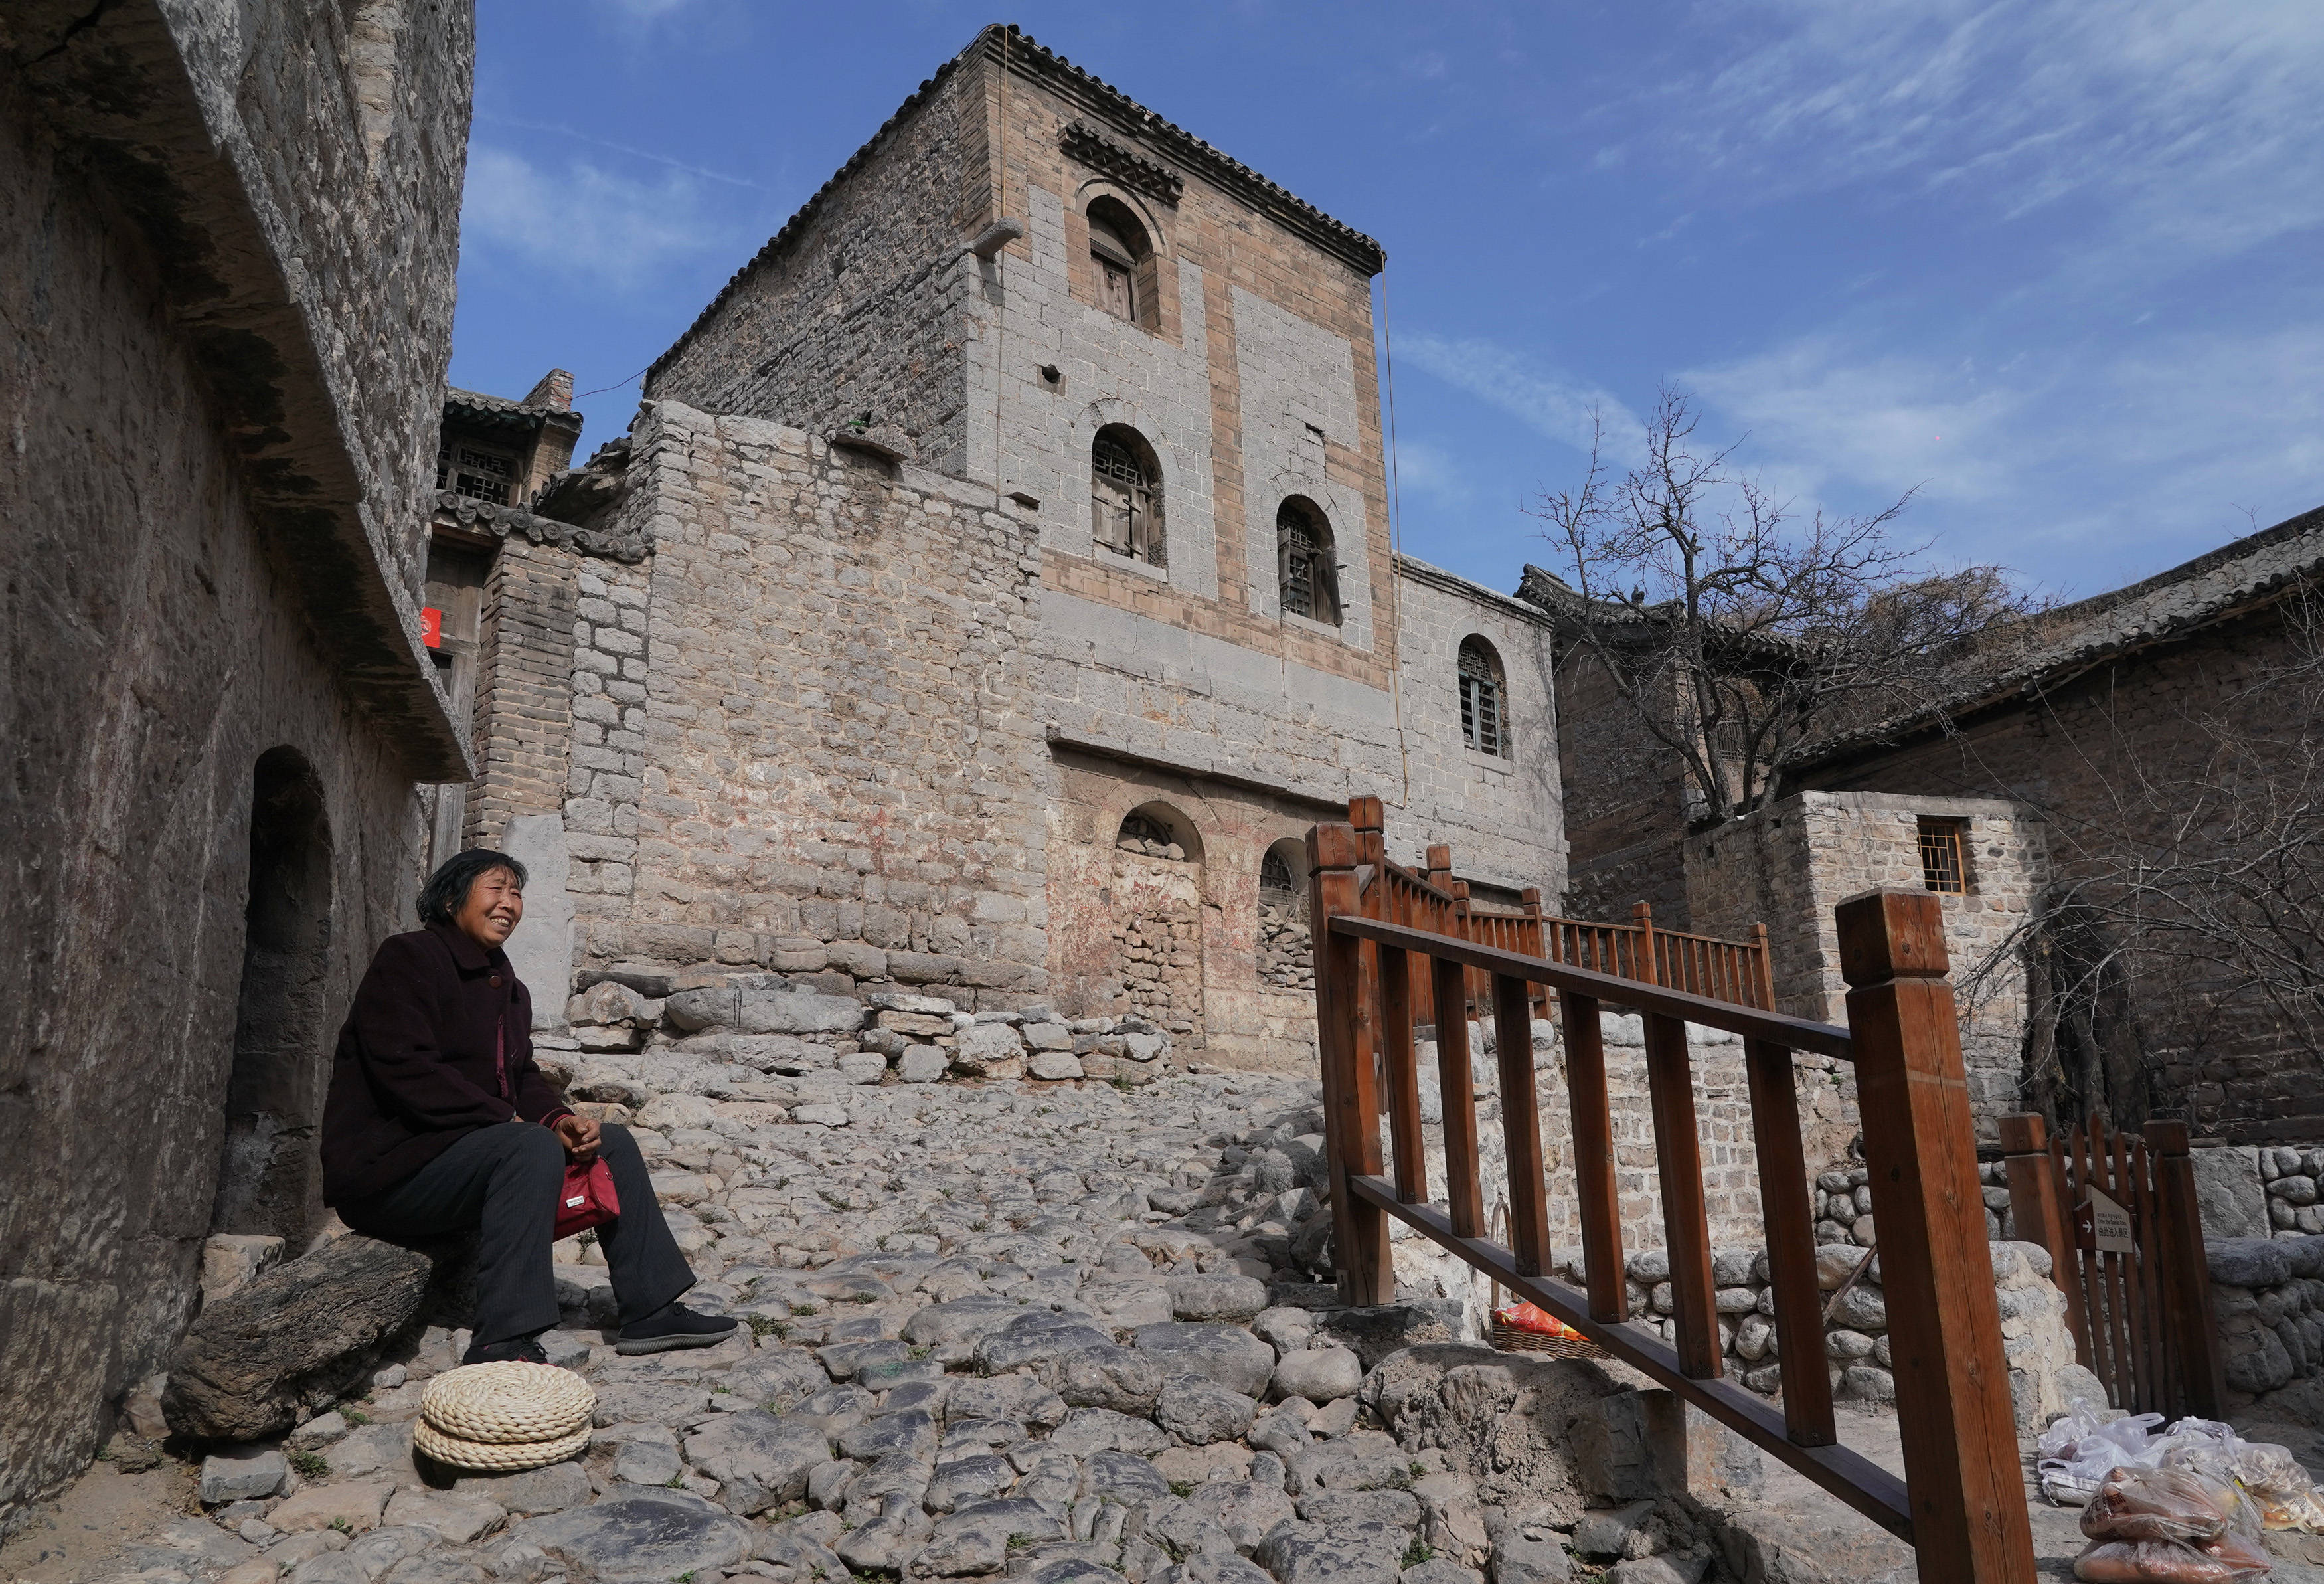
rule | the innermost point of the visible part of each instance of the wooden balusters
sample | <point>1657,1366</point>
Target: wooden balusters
<point>1593,1158</point>
<point>1350,1106</point>
<point>1686,1225</point>
<point>1959,1438</point>
<point>1790,1222</point>
<point>2193,1334</point>
<point>1521,1125</point>
<point>1402,1076</point>
<point>1456,1085</point>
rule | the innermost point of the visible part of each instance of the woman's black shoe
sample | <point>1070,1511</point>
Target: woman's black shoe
<point>674,1326</point>
<point>515,1351</point>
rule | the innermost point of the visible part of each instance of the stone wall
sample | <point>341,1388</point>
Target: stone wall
<point>1790,865</point>
<point>826,768</point>
<point>223,372</point>
<point>1625,803</point>
<point>855,305</point>
<point>2076,758</point>
<point>2267,1298</point>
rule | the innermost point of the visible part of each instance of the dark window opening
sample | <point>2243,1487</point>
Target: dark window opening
<point>1275,877</point>
<point>1120,262</point>
<point>474,470</point>
<point>1126,495</point>
<point>1307,562</point>
<point>1484,724</point>
<point>1942,868</point>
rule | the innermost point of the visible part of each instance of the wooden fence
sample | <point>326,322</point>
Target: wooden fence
<point>1437,899</point>
<point>2119,1215</point>
<point>1962,1502</point>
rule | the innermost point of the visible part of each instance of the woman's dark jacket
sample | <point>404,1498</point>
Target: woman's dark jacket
<point>415,1067</point>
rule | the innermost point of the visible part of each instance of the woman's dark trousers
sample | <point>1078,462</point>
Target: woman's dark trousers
<point>503,1183</point>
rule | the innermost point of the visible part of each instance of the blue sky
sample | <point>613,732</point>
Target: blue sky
<point>2055,264</point>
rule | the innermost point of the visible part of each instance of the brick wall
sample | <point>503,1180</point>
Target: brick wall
<point>1624,802</point>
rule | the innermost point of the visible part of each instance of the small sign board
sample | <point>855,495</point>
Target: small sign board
<point>2110,1228</point>
<point>431,627</point>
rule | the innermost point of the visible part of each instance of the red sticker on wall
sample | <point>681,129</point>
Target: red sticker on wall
<point>431,627</point>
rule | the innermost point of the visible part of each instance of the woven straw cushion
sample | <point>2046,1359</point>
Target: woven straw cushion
<point>508,1403</point>
<point>499,1457</point>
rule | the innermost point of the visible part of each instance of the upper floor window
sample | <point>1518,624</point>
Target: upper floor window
<point>1126,495</point>
<point>484,472</point>
<point>1484,710</point>
<point>1120,255</point>
<point>1306,563</point>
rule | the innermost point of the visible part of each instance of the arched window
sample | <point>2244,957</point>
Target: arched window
<point>1119,255</point>
<point>1126,495</point>
<point>1159,832</point>
<point>1275,877</point>
<point>1307,561</point>
<point>1484,710</point>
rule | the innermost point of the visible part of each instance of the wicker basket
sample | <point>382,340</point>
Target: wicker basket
<point>1510,1339</point>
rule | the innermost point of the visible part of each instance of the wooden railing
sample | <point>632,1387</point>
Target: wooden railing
<point>1961,1503</point>
<point>1437,899</point>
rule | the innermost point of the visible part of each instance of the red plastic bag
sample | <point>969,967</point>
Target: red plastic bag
<point>586,1200</point>
<point>1532,1317</point>
<point>2165,1562</point>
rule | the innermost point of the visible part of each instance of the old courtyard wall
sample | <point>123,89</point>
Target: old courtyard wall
<point>223,368</point>
<point>800,739</point>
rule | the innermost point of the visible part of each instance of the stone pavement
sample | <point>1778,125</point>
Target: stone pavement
<point>1067,1333</point>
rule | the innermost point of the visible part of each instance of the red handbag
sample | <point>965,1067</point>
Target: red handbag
<point>586,1200</point>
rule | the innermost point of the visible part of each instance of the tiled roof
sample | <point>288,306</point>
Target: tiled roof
<point>500,409</point>
<point>2044,651</point>
<point>1120,110</point>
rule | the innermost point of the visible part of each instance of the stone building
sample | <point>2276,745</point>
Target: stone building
<point>994,586</point>
<point>224,371</point>
<point>2071,744</point>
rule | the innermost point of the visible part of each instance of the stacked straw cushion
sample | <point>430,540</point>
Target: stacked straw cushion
<point>504,1416</point>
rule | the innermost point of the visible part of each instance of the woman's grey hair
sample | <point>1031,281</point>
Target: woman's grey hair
<point>446,891</point>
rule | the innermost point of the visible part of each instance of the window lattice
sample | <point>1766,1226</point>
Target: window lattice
<point>1941,868</point>
<point>1305,573</point>
<point>1274,875</point>
<point>485,475</point>
<point>1483,725</point>
<point>1145,828</point>
<point>1126,501</point>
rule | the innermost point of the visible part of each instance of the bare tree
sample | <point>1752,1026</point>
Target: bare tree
<point>1739,635</point>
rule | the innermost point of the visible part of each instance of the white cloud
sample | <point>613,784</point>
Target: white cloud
<point>2189,124</point>
<point>1545,399</point>
<point>583,220</point>
<point>2072,469</point>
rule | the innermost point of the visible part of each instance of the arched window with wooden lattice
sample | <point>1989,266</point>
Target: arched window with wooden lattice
<point>1307,561</point>
<point>1126,495</point>
<point>1484,707</point>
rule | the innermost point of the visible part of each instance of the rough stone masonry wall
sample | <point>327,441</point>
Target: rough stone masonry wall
<point>2267,1298</point>
<point>830,770</point>
<point>1790,865</point>
<point>1625,804</point>
<point>2075,756</point>
<point>855,305</point>
<point>157,648</point>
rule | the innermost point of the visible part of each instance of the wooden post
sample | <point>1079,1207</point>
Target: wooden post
<point>1970,1525</point>
<point>1351,1106</point>
<point>1456,1087</point>
<point>1521,1126</point>
<point>1593,1158</point>
<point>2189,1326</point>
<point>1457,926</point>
<point>1686,1225</point>
<point>1642,954</point>
<point>1765,971</point>
<point>2037,1213</point>
<point>1534,942</point>
<point>1402,1076</point>
<point>1367,816</point>
<point>1790,1222</point>
<point>1440,863</point>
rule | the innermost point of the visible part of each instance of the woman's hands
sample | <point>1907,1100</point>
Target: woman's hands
<point>579,1136</point>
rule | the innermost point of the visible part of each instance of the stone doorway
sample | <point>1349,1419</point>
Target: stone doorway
<point>269,1181</point>
<point>1158,898</point>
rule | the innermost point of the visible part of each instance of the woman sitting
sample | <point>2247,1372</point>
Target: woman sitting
<point>438,1122</point>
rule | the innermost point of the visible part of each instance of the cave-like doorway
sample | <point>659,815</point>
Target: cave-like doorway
<point>269,1179</point>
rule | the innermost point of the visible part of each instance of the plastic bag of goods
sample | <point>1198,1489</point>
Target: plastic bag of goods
<point>2278,1486</point>
<point>1532,1318</point>
<point>2228,1560</point>
<point>2158,1503</point>
<point>2081,1448</point>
